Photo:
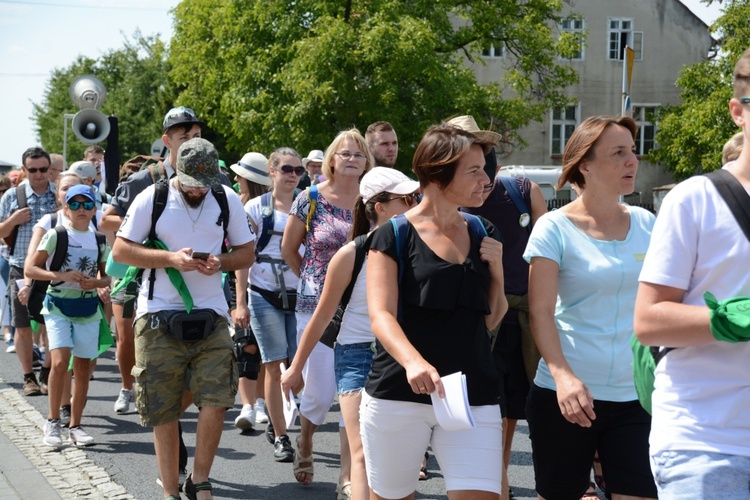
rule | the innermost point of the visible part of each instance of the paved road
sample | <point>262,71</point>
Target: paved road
<point>244,466</point>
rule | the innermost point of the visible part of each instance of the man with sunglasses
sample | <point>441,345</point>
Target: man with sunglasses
<point>40,200</point>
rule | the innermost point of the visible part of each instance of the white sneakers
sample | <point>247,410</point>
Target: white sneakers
<point>246,420</point>
<point>122,405</point>
<point>52,434</point>
<point>260,411</point>
<point>80,438</point>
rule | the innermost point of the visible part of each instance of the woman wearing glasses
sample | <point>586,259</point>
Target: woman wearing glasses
<point>71,309</point>
<point>322,225</point>
<point>432,300</point>
<point>273,322</point>
<point>384,192</point>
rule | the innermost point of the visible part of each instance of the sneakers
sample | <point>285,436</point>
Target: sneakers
<point>122,405</point>
<point>270,433</point>
<point>31,388</point>
<point>79,437</point>
<point>65,415</point>
<point>246,420</point>
<point>43,380</point>
<point>37,357</point>
<point>180,479</point>
<point>282,449</point>
<point>260,412</point>
<point>11,347</point>
<point>52,434</point>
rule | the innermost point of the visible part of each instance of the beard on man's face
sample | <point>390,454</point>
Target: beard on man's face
<point>193,201</point>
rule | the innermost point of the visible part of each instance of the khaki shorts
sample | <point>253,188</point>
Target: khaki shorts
<point>163,363</point>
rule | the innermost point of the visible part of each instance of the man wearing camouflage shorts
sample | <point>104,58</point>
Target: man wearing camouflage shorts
<point>187,255</point>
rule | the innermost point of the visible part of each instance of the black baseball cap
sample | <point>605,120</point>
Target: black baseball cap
<point>180,116</point>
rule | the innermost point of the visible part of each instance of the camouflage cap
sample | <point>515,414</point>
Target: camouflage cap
<point>198,164</point>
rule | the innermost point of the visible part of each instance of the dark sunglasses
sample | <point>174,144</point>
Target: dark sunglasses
<point>35,170</point>
<point>75,205</point>
<point>408,199</point>
<point>288,169</point>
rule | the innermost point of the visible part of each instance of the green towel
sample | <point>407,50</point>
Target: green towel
<point>730,318</point>
<point>174,276</point>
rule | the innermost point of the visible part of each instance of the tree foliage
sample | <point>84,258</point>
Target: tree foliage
<point>273,73</point>
<point>139,93</point>
<point>690,136</point>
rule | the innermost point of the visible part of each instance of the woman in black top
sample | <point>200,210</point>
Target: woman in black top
<point>431,319</point>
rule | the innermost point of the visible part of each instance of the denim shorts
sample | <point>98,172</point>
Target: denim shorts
<point>701,474</point>
<point>275,330</point>
<point>352,364</point>
<point>81,338</point>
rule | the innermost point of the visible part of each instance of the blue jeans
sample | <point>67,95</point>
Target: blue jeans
<point>682,474</point>
<point>352,364</point>
<point>275,330</point>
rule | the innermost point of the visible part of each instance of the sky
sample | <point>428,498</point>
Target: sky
<point>37,36</point>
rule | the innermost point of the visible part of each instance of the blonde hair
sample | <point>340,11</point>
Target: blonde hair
<point>732,148</point>
<point>354,135</point>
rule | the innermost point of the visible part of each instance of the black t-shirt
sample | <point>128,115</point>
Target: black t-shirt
<point>443,308</point>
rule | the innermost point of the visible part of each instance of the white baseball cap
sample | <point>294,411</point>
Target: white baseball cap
<point>385,180</point>
<point>84,169</point>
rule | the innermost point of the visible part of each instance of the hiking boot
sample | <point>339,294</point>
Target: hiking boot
<point>122,405</point>
<point>260,412</point>
<point>52,434</point>
<point>31,388</point>
<point>65,415</point>
<point>282,449</point>
<point>246,419</point>
<point>79,437</point>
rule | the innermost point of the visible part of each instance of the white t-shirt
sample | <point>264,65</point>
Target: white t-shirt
<point>261,274</point>
<point>701,399</point>
<point>175,228</point>
<point>597,285</point>
<point>46,221</point>
<point>355,325</point>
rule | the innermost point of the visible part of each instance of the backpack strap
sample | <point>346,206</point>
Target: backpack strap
<point>511,186</point>
<point>361,246</point>
<point>101,243</point>
<point>223,220</point>
<point>312,194</point>
<point>21,197</point>
<point>61,249</point>
<point>735,197</point>
<point>53,219</point>
<point>476,227</point>
<point>161,194</point>
<point>156,168</point>
<point>267,210</point>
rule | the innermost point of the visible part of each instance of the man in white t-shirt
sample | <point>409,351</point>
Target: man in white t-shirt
<point>700,432</point>
<point>188,259</point>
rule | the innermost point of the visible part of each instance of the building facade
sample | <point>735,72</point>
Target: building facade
<point>665,36</point>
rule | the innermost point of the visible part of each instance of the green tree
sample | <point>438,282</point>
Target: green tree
<point>690,136</point>
<point>139,93</point>
<point>272,73</point>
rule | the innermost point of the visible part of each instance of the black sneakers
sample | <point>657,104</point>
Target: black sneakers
<point>282,449</point>
<point>270,434</point>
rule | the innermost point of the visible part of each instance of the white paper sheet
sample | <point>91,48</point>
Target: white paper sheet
<point>290,407</point>
<point>453,412</point>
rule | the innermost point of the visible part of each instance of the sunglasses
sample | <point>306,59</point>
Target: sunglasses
<point>186,189</point>
<point>408,199</point>
<point>35,170</point>
<point>76,205</point>
<point>288,169</point>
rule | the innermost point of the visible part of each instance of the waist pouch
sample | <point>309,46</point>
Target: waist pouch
<point>276,299</point>
<point>76,308</point>
<point>189,327</point>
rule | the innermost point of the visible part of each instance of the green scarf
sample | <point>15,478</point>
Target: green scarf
<point>174,276</point>
<point>730,318</point>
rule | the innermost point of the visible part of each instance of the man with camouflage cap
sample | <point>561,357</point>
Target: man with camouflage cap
<point>183,322</point>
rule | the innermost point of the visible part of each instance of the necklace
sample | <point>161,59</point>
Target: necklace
<point>187,209</point>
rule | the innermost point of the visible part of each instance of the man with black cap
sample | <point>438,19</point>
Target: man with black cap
<point>184,321</point>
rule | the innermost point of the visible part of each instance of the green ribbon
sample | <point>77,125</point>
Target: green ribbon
<point>730,318</point>
<point>174,276</point>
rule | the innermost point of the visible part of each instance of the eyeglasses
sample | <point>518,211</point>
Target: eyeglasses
<point>408,199</point>
<point>76,205</point>
<point>35,170</point>
<point>354,156</point>
<point>185,188</point>
<point>288,169</point>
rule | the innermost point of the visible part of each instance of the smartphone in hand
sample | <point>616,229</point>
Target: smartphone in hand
<point>200,255</point>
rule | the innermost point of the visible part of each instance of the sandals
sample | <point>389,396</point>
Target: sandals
<point>191,490</point>
<point>344,491</point>
<point>298,469</point>
<point>423,475</point>
<point>591,493</point>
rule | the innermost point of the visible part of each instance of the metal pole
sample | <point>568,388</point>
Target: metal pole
<point>65,135</point>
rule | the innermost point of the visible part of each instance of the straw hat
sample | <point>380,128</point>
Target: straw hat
<point>253,167</point>
<point>467,122</point>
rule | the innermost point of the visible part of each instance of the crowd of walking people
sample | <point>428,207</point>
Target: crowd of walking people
<point>336,276</point>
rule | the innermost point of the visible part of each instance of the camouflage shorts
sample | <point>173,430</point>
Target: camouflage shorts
<point>162,365</point>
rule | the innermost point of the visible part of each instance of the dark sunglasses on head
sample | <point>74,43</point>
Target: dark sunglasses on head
<point>408,199</point>
<point>75,205</point>
<point>35,170</point>
<point>288,169</point>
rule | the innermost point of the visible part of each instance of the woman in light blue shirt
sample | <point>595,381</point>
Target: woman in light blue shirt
<point>584,264</point>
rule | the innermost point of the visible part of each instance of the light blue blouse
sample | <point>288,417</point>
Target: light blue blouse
<point>597,285</point>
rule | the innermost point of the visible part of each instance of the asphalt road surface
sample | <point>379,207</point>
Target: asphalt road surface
<point>244,467</point>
